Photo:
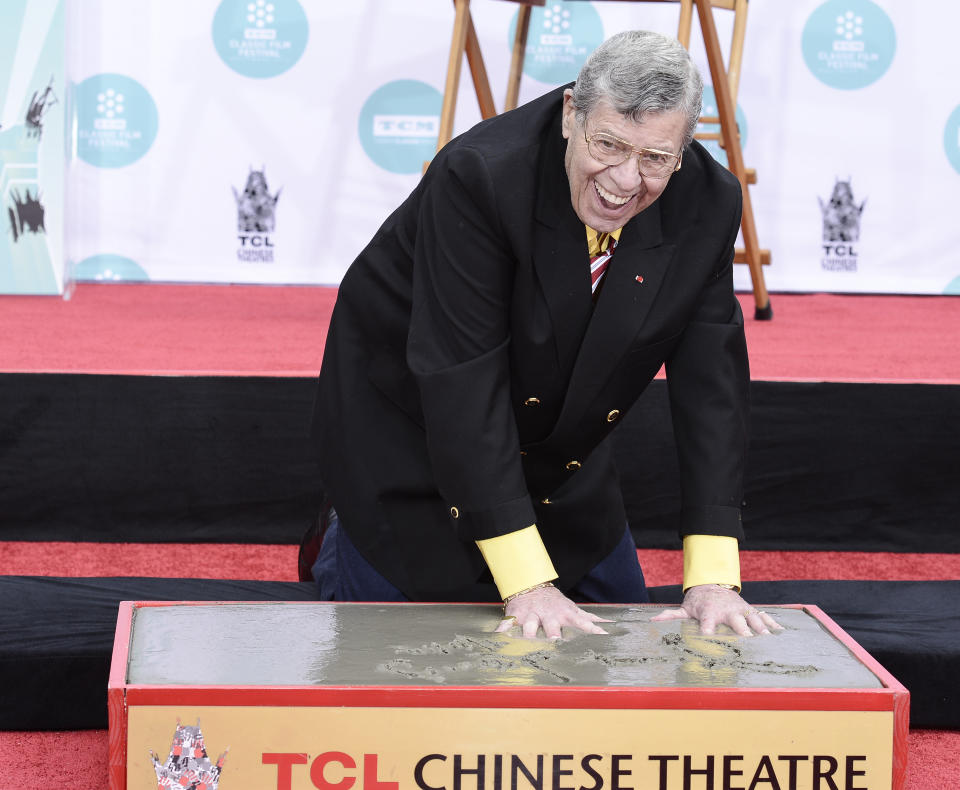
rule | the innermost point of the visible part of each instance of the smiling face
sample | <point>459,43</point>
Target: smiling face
<point>606,197</point>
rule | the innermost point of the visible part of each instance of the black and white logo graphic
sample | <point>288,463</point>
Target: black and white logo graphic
<point>187,765</point>
<point>256,219</point>
<point>26,214</point>
<point>841,228</point>
<point>40,104</point>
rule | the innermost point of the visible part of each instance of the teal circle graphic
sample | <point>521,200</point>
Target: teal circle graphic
<point>260,38</point>
<point>109,268</point>
<point>710,108</point>
<point>117,120</point>
<point>951,139</point>
<point>399,125</point>
<point>849,44</point>
<point>562,36</point>
<point>953,287</point>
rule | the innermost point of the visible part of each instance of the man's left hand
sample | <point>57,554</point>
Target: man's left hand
<point>713,605</point>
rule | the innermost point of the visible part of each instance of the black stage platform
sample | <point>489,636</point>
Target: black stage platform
<point>838,466</point>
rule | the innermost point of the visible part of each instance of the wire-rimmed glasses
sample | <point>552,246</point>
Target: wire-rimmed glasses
<point>612,151</point>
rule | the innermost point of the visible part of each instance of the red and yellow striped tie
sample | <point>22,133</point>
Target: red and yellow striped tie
<point>606,245</point>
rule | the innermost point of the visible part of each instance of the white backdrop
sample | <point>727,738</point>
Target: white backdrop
<point>176,107</point>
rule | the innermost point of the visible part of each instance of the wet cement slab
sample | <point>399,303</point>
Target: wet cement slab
<point>328,644</point>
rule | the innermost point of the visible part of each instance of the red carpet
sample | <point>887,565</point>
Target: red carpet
<point>278,562</point>
<point>256,562</point>
<point>168,330</point>
<point>245,330</point>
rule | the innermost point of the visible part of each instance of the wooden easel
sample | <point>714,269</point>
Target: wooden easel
<point>464,41</point>
<point>726,80</point>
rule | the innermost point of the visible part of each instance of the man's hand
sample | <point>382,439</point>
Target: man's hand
<point>550,609</point>
<point>713,605</point>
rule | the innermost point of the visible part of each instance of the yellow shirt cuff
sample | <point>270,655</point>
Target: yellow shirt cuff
<point>517,560</point>
<point>710,559</point>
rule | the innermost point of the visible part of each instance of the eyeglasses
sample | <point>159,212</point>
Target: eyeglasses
<point>613,151</point>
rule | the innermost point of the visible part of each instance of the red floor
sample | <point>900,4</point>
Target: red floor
<point>279,562</point>
<point>271,330</point>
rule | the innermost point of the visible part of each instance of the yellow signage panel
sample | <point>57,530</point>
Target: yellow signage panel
<point>384,748</point>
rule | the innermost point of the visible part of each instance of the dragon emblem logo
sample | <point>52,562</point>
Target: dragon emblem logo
<point>187,766</point>
<point>841,214</point>
<point>255,205</point>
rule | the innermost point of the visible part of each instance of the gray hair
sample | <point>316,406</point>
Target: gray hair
<point>638,72</point>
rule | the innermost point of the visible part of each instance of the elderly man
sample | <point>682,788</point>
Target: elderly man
<point>501,324</point>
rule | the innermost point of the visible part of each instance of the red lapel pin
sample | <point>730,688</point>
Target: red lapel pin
<point>639,278</point>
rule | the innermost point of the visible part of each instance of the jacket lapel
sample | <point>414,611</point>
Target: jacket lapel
<point>560,251</point>
<point>633,279</point>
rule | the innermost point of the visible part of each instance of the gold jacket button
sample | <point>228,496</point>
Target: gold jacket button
<point>454,512</point>
<point>573,466</point>
<point>532,402</point>
<point>546,501</point>
<point>613,415</point>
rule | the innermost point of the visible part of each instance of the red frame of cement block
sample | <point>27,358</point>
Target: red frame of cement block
<point>120,695</point>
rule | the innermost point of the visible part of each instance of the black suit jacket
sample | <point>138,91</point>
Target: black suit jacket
<point>469,382</point>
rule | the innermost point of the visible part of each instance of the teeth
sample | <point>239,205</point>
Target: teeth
<point>609,197</point>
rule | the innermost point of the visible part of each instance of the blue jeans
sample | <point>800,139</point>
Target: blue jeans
<point>343,574</point>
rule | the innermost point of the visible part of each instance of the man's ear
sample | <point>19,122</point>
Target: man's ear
<point>568,120</point>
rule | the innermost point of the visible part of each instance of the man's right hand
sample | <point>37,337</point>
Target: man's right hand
<point>549,609</point>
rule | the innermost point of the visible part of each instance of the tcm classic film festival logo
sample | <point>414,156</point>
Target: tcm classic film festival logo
<point>849,44</point>
<point>841,228</point>
<point>562,35</point>
<point>399,125</point>
<point>117,124</point>
<point>117,120</point>
<point>260,38</point>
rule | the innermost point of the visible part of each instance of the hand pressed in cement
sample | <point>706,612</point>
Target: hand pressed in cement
<point>550,609</point>
<point>713,605</point>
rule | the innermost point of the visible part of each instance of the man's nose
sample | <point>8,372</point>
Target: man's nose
<point>627,176</point>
